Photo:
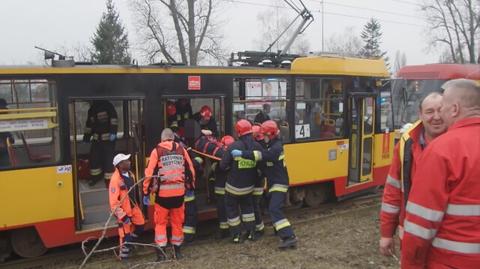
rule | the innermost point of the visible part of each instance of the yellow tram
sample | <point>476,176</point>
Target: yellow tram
<point>334,116</point>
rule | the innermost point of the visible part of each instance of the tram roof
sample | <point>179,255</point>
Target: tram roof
<point>440,71</point>
<point>319,65</point>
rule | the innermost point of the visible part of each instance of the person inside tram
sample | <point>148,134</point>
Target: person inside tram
<point>206,120</point>
<point>183,111</point>
<point>5,139</point>
<point>263,116</point>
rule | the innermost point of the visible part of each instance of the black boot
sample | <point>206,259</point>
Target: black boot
<point>289,242</point>
<point>259,233</point>
<point>251,235</point>
<point>177,253</point>
<point>237,239</point>
<point>161,254</point>
<point>189,238</point>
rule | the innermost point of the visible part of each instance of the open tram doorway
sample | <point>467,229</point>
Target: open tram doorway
<point>361,120</point>
<point>184,116</point>
<point>92,148</point>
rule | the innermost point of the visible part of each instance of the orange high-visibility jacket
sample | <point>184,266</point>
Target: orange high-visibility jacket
<point>117,190</point>
<point>406,154</point>
<point>171,159</point>
<point>442,223</point>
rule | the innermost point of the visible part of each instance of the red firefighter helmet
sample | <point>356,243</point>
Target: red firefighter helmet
<point>243,127</point>
<point>206,112</point>
<point>257,132</point>
<point>227,140</point>
<point>171,109</point>
<point>270,129</point>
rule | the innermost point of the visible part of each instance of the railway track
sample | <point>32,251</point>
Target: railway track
<point>72,256</point>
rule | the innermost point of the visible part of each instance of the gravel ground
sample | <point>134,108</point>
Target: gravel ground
<point>345,240</point>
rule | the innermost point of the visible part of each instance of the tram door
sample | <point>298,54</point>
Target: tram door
<point>361,120</point>
<point>92,155</point>
<point>184,120</point>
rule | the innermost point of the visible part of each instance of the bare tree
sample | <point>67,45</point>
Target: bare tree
<point>400,61</point>
<point>178,30</point>
<point>345,44</point>
<point>272,23</point>
<point>456,25</point>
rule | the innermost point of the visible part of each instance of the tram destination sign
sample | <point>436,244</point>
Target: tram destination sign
<point>23,125</point>
<point>194,83</point>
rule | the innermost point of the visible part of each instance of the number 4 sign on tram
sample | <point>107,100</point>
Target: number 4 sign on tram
<point>302,130</point>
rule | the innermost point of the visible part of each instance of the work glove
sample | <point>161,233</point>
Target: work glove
<point>126,220</point>
<point>146,200</point>
<point>113,137</point>
<point>236,153</point>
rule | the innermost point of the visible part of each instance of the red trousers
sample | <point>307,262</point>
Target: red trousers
<point>162,216</point>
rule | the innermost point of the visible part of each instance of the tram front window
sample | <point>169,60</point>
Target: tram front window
<point>406,97</point>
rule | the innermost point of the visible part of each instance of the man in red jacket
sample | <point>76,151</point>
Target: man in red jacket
<point>442,222</point>
<point>407,152</point>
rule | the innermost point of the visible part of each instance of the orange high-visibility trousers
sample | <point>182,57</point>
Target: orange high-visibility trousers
<point>161,218</point>
<point>136,219</point>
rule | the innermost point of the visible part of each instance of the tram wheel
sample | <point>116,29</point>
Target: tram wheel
<point>5,247</point>
<point>317,194</point>
<point>26,243</point>
<point>296,195</point>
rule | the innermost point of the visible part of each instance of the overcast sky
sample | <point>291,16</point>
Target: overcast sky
<point>66,24</point>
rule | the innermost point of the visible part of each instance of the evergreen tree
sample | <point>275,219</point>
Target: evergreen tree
<point>371,36</point>
<point>110,40</point>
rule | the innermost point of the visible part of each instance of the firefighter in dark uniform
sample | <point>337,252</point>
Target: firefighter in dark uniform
<point>240,183</point>
<point>191,211</point>
<point>183,111</point>
<point>219,189</point>
<point>101,131</point>
<point>206,120</point>
<point>259,184</point>
<point>277,180</point>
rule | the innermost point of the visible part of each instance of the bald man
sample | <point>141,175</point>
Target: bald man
<point>406,155</point>
<point>442,223</point>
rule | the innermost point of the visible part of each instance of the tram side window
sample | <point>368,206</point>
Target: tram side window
<point>319,109</point>
<point>258,100</point>
<point>28,123</point>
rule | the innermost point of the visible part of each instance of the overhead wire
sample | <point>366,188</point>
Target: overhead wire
<point>324,12</point>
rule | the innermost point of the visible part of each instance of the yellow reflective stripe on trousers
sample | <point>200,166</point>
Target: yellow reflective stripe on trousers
<point>234,222</point>
<point>188,230</point>
<point>257,191</point>
<point>219,190</point>
<point>95,172</point>
<point>238,191</point>
<point>259,227</point>
<point>283,223</point>
<point>278,187</point>
<point>248,217</point>
<point>461,247</point>
<point>223,225</point>
<point>189,198</point>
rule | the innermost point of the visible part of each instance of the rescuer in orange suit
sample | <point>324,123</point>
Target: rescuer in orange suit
<point>442,222</point>
<point>406,156</point>
<point>175,173</point>
<point>125,205</point>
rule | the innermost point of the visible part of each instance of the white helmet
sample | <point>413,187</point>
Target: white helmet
<point>120,158</point>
